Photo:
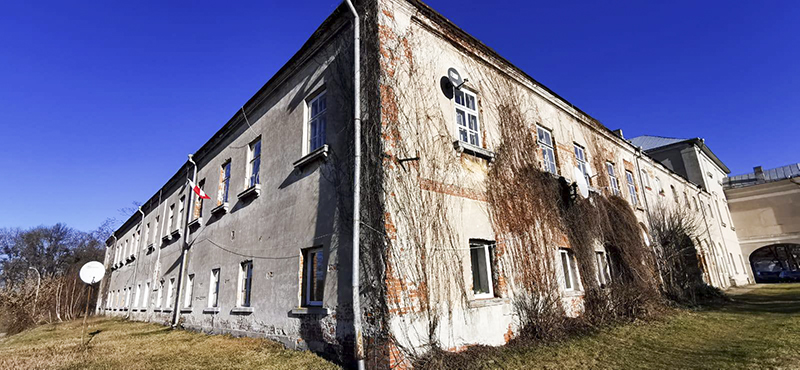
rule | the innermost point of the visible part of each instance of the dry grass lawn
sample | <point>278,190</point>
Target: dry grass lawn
<point>133,345</point>
<point>759,329</point>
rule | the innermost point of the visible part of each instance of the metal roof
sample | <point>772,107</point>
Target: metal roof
<point>775,174</point>
<point>648,142</point>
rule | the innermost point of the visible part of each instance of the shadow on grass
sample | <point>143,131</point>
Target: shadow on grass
<point>775,298</point>
<point>152,332</point>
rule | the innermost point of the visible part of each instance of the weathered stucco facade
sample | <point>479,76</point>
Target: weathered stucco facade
<point>427,212</point>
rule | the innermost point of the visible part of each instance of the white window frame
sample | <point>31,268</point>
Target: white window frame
<point>155,230</point>
<point>170,292</point>
<point>187,299</point>
<point>245,285</point>
<point>632,188</point>
<point>486,248</point>
<point>645,179</point>
<point>583,162</point>
<point>468,112</point>
<point>181,208</point>
<point>603,270</point>
<point>253,164</point>
<point>612,177</point>
<point>160,294</point>
<point>146,295</point>
<point>170,217</point>
<point>307,276</point>
<point>213,288</point>
<point>138,295</point>
<point>571,277</point>
<point>547,149</point>
<point>308,140</point>
<point>223,192</point>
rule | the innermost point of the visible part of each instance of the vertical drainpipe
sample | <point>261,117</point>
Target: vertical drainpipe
<point>356,279</point>
<point>176,310</point>
<point>136,261</point>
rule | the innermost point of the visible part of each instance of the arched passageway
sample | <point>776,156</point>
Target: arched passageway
<point>776,263</point>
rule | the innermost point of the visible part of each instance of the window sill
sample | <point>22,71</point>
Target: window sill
<point>156,310</point>
<point>487,302</point>
<point>476,151</point>
<point>253,191</point>
<point>571,293</point>
<point>319,153</point>
<point>724,224</point>
<point>211,310</point>
<point>176,233</point>
<point>166,238</point>
<point>241,310</point>
<point>312,310</point>
<point>186,310</point>
<point>150,248</point>
<point>196,222</point>
<point>220,209</point>
<point>166,310</point>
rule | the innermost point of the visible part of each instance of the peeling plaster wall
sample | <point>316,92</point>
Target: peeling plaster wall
<point>411,39</point>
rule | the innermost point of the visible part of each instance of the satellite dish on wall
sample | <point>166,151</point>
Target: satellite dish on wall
<point>92,272</point>
<point>580,180</point>
<point>455,77</point>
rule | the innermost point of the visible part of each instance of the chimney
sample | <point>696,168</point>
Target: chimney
<point>618,132</point>
<point>759,172</point>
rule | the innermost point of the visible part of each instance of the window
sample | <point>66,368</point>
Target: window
<point>545,139</point>
<point>146,300</point>
<point>645,179</point>
<point>696,206</point>
<point>224,183</point>
<point>138,295</point>
<point>171,217</point>
<point>170,290</point>
<point>187,301</point>
<point>313,277</point>
<point>568,266</point>
<point>155,230</point>
<point>147,233</point>
<point>198,204</point>
<point>603,275</point>
<point>658,186</point>
<point>467,117</point>
<point>245,283</point>
<point>482,259</point>
<point>213,289</point>
<point>317,122</point>
<point>580,157</point>
<point>181,206</point>
<point>710,211</point>
<point>733,262</point>
<point>160,294</point>
<point>674,193</point>
<point>612,177</point>
<point>632,188</point>
<point>255,163</point>
<point>686,198</point>
<point>703,207</point>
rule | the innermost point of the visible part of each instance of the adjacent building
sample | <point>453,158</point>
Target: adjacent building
<point>765,205</point>
<point>269,254</point>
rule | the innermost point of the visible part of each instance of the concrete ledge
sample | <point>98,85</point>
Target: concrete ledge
<point>319,153</point>
<point>211,310</point>
<point>241,310</point>
<point>488,302</point>
<point>477,151</point>
<point>253,191</point>
<point>186,310</point>
<point>220,209</point>
<point>321,311</point>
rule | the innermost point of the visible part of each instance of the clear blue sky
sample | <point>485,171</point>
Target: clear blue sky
<point>101,101</point>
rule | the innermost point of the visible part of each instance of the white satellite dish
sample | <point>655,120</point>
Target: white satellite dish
<point>92,272</point>
<point>580,179</point>
<point>455,77</point>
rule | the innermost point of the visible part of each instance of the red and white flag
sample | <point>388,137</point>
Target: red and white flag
<point>199,191</point>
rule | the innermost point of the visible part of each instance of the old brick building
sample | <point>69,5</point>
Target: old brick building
<point>270,253</point>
